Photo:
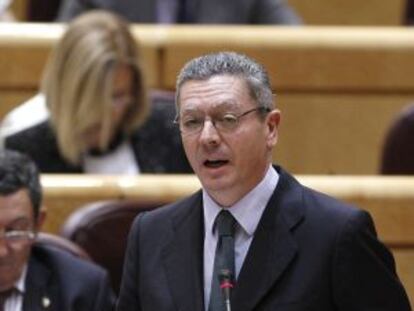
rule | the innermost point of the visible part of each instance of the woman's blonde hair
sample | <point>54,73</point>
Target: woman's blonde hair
<point>78,81</point>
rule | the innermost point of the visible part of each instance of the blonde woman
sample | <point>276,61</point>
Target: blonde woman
<point>97,117</point>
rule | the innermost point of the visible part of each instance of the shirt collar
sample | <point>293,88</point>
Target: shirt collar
<point>249,209</point>
<point>20,284</point>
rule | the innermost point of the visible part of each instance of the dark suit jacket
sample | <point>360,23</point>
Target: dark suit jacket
<point>157,145</point>
<point>202,11</point>
<point>309,253</point>
<point>68,283</point>
<point>409,13</point>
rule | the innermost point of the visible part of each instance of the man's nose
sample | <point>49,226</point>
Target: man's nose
<point>209,134</point>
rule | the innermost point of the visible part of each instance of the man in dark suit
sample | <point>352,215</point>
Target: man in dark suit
<point>253,238</point>
<point>188,11</point>
<point>34,277</point>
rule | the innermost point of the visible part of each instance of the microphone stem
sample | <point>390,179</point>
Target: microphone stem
<point>227,304</point>
<point>226,284</point>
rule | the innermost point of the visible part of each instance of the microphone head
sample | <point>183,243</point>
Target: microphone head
<point>226,276</point>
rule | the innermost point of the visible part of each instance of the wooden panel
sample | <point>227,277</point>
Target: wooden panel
<point>10,99</point>
<point>305,59</point>
<point>64,193</point>
<point>354,12</point>
<point>389,199</point>
<point>311,58</point>
<point>405,266</point>
<point>23,65</point>
<point>24,49</point>
<point>19,9</point>
<point>334,133</point>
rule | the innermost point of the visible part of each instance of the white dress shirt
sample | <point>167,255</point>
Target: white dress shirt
<point>120,161</point>
<point>15,301</point>
<point>30,113</point>
<point>247,212</point>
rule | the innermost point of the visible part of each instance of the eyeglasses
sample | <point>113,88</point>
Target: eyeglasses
<point>18,236</point>
<point>226,122</point>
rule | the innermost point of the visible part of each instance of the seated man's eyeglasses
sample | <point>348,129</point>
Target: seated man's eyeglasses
<point>226,122</point>
<point>18,236</point>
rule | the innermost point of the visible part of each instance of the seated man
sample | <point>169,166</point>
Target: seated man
<point>36,277</point>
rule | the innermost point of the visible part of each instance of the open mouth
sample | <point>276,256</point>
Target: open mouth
<point>215,163</point>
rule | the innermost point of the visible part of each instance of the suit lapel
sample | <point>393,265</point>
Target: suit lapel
<point>39,296</point>
<point>273,247</point>
<point>183,255</point>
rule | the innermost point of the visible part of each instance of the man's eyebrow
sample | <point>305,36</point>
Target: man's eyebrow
<point>220,106</point>
<point>189,110</point>
<point>227,105</point>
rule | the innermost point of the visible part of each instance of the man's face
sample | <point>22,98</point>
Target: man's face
<point>16,214</point>
<point>228,163</point>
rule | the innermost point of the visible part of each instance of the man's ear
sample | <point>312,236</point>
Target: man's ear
<point>272,122</point>
<point>41,218</point>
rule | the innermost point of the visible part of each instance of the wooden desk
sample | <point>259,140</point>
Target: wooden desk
<point>338,12</point>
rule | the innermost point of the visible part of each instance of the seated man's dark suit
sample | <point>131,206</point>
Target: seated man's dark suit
<point>310,252</point>
<point>65,283</point>
<point>201,11</point>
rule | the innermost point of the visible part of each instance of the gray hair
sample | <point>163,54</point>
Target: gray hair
<point>233,64</point>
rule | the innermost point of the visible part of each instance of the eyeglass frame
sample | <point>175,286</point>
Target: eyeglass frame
<point>215,120</point>
<point>18,236</point>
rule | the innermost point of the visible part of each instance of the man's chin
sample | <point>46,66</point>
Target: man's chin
<point>212,184</point>
<point>7,282</point>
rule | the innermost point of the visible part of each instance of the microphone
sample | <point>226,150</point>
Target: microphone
<point>226,285</point>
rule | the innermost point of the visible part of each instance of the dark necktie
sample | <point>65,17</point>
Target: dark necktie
<point>224,257</point>
<point>4,296</point>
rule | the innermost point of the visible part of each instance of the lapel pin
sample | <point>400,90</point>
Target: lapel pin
<point>46,302</point>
